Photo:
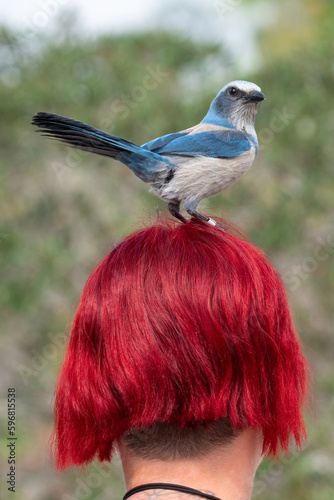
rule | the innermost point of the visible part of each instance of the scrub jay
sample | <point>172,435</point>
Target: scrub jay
<point>184,166</point>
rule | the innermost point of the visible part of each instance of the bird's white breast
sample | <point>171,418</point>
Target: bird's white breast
<point>201,176</point>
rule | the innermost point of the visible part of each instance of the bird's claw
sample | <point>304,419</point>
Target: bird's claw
<point>210,221</point>
<point>174,210</point>
<point>194,213</point>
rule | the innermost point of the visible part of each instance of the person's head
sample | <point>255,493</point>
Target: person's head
<point>182,339</point>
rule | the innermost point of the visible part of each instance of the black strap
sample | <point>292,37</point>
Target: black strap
<point>168,486</point>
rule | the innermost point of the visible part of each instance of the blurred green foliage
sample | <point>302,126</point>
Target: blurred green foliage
<point>61,210</point>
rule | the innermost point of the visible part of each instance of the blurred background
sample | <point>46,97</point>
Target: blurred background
<point>140,70</point>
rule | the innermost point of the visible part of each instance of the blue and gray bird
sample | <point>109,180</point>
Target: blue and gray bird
<point>185,166</point>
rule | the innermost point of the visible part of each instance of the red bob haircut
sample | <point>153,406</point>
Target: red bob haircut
<point>179,323</point>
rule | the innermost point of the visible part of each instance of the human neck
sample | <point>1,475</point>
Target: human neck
<point>227,472</point>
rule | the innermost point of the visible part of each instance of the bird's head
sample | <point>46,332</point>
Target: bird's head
<point>237,104</point>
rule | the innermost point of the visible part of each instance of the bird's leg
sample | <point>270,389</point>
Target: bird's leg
<point>174,209</point>
<point>190,207</point>
<point>194,213</point>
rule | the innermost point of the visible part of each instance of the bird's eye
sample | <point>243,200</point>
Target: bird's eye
<point>233,91</point>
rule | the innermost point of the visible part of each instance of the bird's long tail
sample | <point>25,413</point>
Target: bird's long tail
<point>145,164</point>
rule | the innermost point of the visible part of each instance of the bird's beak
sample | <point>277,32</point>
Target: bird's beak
<point>255,96</point>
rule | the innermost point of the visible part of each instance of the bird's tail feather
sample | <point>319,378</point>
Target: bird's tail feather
<point>82,136</point>
<point>147,165</point>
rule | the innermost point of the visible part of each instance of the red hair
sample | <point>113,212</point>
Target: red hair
<point>179,323</point>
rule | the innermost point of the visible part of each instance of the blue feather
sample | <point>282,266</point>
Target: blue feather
<point>255,142</point>
<point>162,141</point>
<point>214,144</point>
<point>213,118</point>
<point>147,168</point>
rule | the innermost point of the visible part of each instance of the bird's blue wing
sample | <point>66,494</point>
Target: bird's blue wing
<point>163,141</point>
<point>215,144</point>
